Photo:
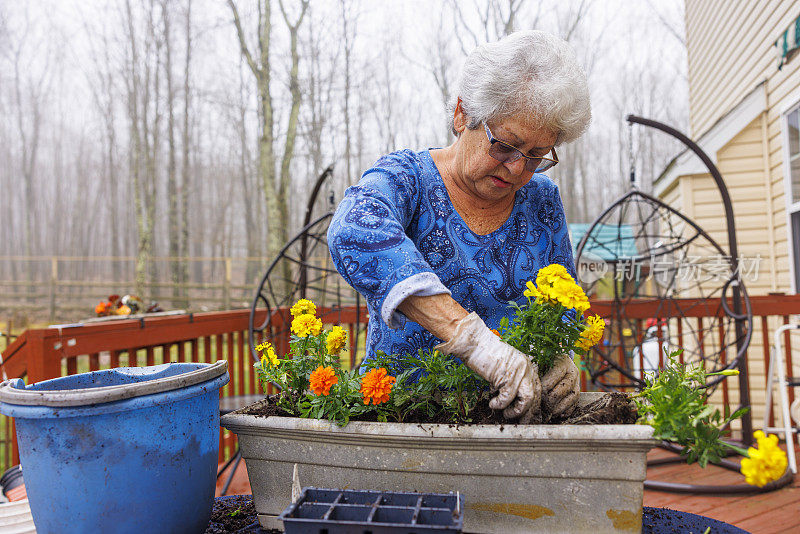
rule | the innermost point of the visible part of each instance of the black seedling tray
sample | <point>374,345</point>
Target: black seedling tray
<point>333,511</point>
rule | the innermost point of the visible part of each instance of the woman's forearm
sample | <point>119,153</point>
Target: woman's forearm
<point>438,314</point>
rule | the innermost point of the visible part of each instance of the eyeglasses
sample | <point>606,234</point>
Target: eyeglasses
<point>505,153</point>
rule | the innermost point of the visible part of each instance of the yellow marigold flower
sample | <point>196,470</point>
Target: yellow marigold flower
<point>592,334</point>
<point>552,273</point>
<point>336,340</point>
<point>302,307</point>
<point>322,379</point>
<point>532,292</point>
<point>268,356</point>
<point>376,386</point>
<point>306,324</point>
<point>765,464</point>
<point>565,292</point>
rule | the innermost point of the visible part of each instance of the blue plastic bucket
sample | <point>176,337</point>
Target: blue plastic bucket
<point>132,449</point>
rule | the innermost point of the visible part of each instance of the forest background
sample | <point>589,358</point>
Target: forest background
<point>168,147</point>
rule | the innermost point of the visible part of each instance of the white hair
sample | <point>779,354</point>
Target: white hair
<point>529,73</point>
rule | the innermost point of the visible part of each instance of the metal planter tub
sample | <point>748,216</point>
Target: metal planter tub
<point>535,478</point>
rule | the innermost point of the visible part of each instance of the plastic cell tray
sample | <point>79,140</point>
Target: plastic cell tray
<point>334,511</point>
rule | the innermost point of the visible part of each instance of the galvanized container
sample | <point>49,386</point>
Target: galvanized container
<point>514,478</point>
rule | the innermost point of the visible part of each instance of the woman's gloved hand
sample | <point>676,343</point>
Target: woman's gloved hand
<point>561,387</point>
<point>504,367</point>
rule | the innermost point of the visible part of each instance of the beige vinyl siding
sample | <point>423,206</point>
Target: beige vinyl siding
<point>730,51</point>
<point>672,197</point>
<point>741,164</point>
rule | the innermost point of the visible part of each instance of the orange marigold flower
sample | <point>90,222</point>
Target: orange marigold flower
<point>322,379</point>
<point>376,386</point>
<point>495,332</point>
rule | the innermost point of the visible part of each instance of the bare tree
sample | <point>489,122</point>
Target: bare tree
<point>323,61</point>
<point>252,211</point>
<point>29,92</point>
<point>349,21</point>
<point>274,186</point>
<point>143,77</point>
<point>294,111</point>
<point>173,224</point>
<point>186,183</point>
<point>104,93</point>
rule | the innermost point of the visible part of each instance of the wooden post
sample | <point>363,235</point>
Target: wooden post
<point>43,357</point>
<point>53,284</point>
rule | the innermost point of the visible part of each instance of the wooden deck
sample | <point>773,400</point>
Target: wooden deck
<point>761,513</point>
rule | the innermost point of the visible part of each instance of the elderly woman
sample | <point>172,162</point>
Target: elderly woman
<point>439,241</point>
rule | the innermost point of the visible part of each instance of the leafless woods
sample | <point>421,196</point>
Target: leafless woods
<point>177,128</point>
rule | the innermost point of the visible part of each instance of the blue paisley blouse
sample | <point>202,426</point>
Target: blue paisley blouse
<point>396,234</point>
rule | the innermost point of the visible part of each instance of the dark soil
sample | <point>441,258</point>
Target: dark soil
<point>611,409</point>
<point>235,514</point>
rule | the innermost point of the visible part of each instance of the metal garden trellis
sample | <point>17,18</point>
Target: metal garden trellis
<point>311,274</point>
<point>646,244</point>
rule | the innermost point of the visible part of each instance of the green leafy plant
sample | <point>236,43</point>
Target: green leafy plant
<point>432,382</point>
<point>675,405</point>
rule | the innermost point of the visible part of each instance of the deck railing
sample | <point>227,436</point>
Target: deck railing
<point>42,354</point>
<point>47,353</point>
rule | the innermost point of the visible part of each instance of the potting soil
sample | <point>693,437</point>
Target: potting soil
<point>611,409</point>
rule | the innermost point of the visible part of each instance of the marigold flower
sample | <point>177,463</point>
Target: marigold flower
<point>592,334</point>
<point>555,285</point>
<point>268,356</point>
<point>495,332</point>
<point>570,295</point>
<point>302,307</point>
<point>552,273</point>
<point>765,464</point>
<point>376,386</point>
<point>322,379</point>
<point>336,340</point>
<point>306,324</point>
<point>532,292</point>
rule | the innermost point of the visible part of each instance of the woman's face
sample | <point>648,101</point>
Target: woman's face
<point>480,174</point>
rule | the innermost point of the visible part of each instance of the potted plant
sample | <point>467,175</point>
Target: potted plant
<point>515,478</point>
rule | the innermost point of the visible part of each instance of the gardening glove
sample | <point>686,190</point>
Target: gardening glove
<point>561,387</point>
<point>504,367</point>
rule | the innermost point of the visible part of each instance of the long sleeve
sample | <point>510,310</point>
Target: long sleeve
<point>368,241</point>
